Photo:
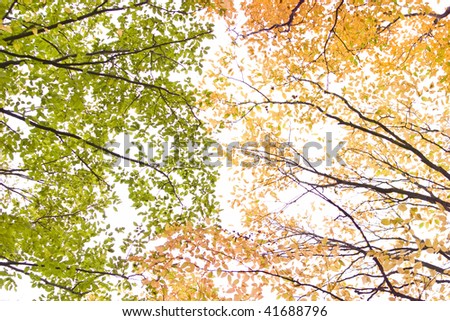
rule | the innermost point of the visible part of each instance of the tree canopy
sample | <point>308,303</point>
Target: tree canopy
<point>75,77</point>
<point>340,119</point>
<point>366,220</point>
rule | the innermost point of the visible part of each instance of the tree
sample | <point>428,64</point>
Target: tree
<point>371,223</point>
<point>74,77</point>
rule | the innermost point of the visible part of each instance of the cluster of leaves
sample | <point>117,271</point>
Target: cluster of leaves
<point>376,73</point>
<point>74,76</point>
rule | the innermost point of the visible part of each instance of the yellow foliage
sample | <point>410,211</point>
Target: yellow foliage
<point>376,75</point>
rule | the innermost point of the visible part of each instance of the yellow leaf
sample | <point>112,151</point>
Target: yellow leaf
<point>366,279</point>
<point>17,45</point>
<point>119,32</point>
<point>34,31</point>
<point>335,267</point>
<point>385,221</point>
<point>402,207</point>
<point>6,28</point>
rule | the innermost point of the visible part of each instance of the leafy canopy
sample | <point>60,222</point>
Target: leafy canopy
<point>376,75</point>
<point>74,78</point>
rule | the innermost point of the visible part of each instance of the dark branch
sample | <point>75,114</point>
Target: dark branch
<point>68,21</point>
<point>287,24</point>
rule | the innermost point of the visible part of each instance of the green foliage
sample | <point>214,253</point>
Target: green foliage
<point>74,76</point>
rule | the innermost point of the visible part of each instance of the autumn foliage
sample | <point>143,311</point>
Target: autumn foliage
<point>339,177</point>
<point>376,75</point>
